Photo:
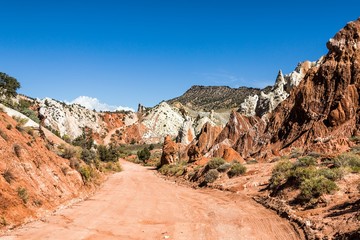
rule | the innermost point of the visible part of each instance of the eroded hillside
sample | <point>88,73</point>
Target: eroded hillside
<point>33,179</point>
<point>215,97</point>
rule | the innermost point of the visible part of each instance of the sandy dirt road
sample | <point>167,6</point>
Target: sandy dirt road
<point>137,204</point>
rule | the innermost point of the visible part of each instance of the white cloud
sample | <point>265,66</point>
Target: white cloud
<point>94,103</point>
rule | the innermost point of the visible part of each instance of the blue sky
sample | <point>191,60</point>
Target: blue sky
<point>129,52</point>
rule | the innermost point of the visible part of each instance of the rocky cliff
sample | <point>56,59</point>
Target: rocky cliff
<point>267,101</point>
<point>177,121</point>
<point>70,120</point>
<point>33,179</point>
<point>149,125</point>
<point>320,114</point>
<point>323,111</point>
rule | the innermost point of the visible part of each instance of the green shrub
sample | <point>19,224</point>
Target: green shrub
<point>3,222</point>
<point>300,174</point>
<point>349,159</point>
<point>331,174</point>
<point>30,114</point>
<point>355,149</point>
<point>280,173</point>
<point>20,121</point>
<point>315,187</point>
<point>306,161</point>
<point>23,194</point>
<point>252,161</point>
<point>237,169</point>
<point>296,152</point>
<point>86,173</point>
<point>354,162</point>
<point>314,154</point>
<point>17,150</point>
<point>20,128</point>
<point>66,138</point>
<point>355,139</point>
<point>4,136</point>
<point>144,154</point>
<point>113,166</point>
<point>88,155</point>
<point>85,140</point>
<point>108,154</point>
<point>8,175</point>
<point>37,203</point>
<point>30,131</point>
<point>211,176</point>
<point>9,126</point>
<point>23,104</point>
<point>224,167</point>
<point>173,170</point>
<point>215,163</point>
<point>68,153</point>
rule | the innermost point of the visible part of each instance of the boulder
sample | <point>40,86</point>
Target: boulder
<point>170,154</point>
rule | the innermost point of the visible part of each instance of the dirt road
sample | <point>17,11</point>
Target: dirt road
<point>137,204</point>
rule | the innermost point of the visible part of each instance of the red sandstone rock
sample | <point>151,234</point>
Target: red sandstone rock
<point>207,137</point>
<point>26,164</point>
<point>170,153</point>
<point>203,143</point>
<point>231,155</point>
<point>326,103</point>
<point>319,115</point>
<point>193,153</point>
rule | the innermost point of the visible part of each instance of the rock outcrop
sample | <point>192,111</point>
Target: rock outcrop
<point>187,131</point>
<point>33,179</point>
<point>320,114</point>
<point>162,120</point>
<point>241,134</point>
<point>68,119</point>
<point>193,153</point>
<point>203,143</point>
<point>170,152</point>
<point>326,103</point>
<point>149,125</point>
<point>178,121</point>
<point>266,102</point>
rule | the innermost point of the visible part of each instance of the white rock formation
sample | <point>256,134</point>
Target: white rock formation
<point>249,105</point>
<point>187,131</point>
<point>162,120</point>
<point>68,119</point>
<point>178,121</point>
<point>267,102</point>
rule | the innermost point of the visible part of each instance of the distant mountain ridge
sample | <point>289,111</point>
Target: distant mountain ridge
<point>215,97</point>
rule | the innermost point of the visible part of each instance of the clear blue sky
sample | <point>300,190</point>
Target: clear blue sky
<point>130,52</point>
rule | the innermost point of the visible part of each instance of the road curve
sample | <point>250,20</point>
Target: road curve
<point>137,204</point>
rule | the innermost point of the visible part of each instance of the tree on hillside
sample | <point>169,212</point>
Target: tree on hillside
<point>8,85</point>
<point>85,140</point>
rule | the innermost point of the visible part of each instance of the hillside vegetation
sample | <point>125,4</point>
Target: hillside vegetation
<point>209,98</point>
